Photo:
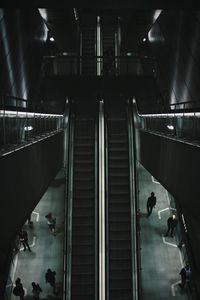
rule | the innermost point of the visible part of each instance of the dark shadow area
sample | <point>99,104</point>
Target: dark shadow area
<point>58,182</point>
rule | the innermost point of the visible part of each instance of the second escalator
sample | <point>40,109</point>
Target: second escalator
<point>83,274</point>
<point>119,213</point>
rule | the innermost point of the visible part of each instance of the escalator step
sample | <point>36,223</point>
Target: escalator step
<point>119,265</point>
<point>82,289</point>
<point>83,260</point>
<point>120,236</point>
<point>82,269</point>
<point>118,245</point>
<point>79,279</point>
<point>83,240</point>
<point>117,226</point>
<point>120,254</point>
<point>121,295</point>
<point>83,250</point>
<point>119,218</point>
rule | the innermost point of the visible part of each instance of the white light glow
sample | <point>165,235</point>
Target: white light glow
<point>144,39</point>
<point>170,127</point>
<point>43,13</point>
<point>51,39</point>
<point>128,54</point>
<point>150,36</point>
<point>171,115</point>
<point>156,14</point>
<point>10,113</point>
<point>28,128</point>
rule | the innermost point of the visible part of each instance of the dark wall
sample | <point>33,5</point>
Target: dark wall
<point>176,166</point>
<point>22,38</point>
<point>175,42</point>
<point>25,176</point>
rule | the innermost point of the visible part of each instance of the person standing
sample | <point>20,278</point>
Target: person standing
<point>171,225</point>
<point>36,291</point>
<point>50,277</point>
<point>51,221</point>
<point>151,203</point>
<point>18,289</point>
<point>23,236</point>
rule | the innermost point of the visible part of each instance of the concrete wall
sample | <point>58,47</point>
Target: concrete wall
<point>176,166</point>
<point>25,176</point>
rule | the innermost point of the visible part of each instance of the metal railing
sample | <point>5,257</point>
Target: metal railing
<point>185,126</point>
<point>22,123</point>
<point>107,65</point>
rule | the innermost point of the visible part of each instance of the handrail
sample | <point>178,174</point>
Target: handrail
<point>133,205</point>
<point>102,250</point>
<point>96,213</point>
<point>107,210</point>
<point>32,106</point>
<point>136,56</point>
<point>66,162</point>
<point>69,208</point>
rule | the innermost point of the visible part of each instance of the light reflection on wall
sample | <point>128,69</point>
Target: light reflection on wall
<point>156,14</point>
<point>9,65</point>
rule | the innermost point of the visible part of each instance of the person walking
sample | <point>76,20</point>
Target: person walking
<point>50,277</point>
<point>36,291</point>
<point>171,225</point>
<point>151,203</point>
<point>51,221</point>
<point>23,236</point>
<point>18,289</point>
<point>185,276</point>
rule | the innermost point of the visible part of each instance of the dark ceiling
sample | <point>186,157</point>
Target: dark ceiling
<point>65,23</point>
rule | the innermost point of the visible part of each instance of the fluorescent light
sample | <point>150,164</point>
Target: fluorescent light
<point>171,115</point>
<point>28,128</point>
<point>170,127</point>
<point>12,113</point>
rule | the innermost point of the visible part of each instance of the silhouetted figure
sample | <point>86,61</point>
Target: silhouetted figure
<point>185,276</point>
<point>30,223</point>
<point>36,291</point>
<point>51,221</point>
<point>18,289</point>
<point>51,279</point>
<point>23,236</point>
<point>151,203</point>
<point>171,225</point>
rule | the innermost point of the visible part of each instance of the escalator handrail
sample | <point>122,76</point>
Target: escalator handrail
<point>96,212</point>
<point>133,205</point>
<point>69,208</point>
<point>66,162</point>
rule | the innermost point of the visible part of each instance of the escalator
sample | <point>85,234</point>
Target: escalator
<point>88,51</point>
<point>119,260</point>
<point>84,243</point>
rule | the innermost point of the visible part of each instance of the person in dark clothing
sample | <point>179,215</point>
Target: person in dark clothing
<point>171,225</point>
<point>185,276</point>
<point>23,236</point>
<point>151,202</point>
<point>18,289</point>
<point>51,279</point>
<point>36,291</point>
<point>51,221</point>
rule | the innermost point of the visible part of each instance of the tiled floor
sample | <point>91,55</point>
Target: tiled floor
<point>46,249</point>
<point>161,259</point>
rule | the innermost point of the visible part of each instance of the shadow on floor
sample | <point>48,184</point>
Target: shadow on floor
<point>57,182</point>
